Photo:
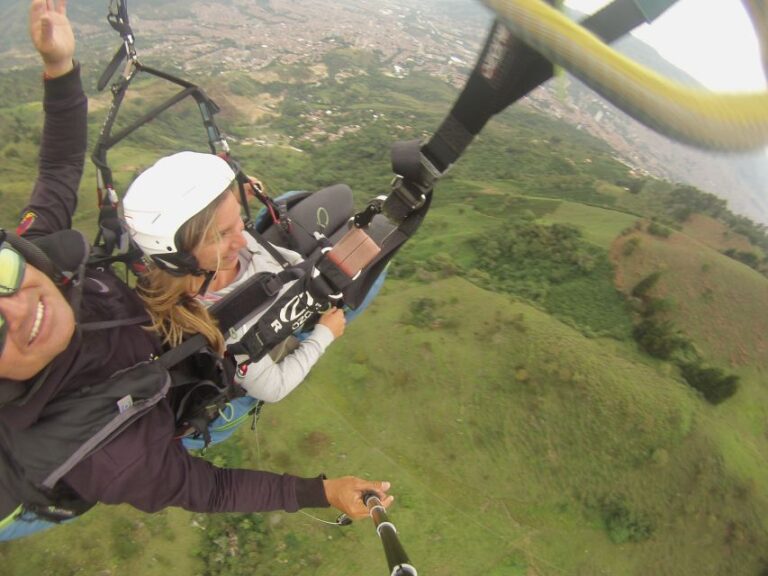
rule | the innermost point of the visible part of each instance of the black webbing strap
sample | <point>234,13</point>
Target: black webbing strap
<point>412,184</point>
<point>274,252</point>
<point>251,344</point>
<point>107,324</point>
<point>242,181</point>
<point>331,280</point>
<point>114,64</point>
<point>295,306</point>
<point>184,350</point>
<point>508,69</point>
<point>119,19</point>
<point>234,309</point>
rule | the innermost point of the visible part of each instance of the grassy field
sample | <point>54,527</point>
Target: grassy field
<point>599,226</point>
<point>515,445</point>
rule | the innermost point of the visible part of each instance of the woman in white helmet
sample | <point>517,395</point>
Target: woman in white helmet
<point>185,215</point>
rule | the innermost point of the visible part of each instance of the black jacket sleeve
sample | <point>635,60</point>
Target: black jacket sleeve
<point>62,156</point>
<point>146,468</point>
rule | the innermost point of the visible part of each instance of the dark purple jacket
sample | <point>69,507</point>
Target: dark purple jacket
<point>143,466</point>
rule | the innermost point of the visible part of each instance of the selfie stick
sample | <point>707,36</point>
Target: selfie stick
<point>397,559</point>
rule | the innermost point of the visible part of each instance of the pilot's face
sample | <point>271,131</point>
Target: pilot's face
<point>37,321</point>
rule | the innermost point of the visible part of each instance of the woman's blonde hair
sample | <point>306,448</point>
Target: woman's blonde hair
<point>170,300</point>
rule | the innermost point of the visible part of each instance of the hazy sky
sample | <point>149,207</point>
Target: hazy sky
<point>712,40</point>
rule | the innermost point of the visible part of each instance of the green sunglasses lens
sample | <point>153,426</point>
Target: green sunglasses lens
<point>11,271</point>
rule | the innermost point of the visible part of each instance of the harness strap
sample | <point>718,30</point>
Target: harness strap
<point>251,344</point>
<point>187,397</point>
<point>182,351</point>
<point>331,279</point>
<point>274,252</point>
<point>106,324</point>
<point>506,70</point>
<point>65,509</point>
<point>293,309</point>
<point>200,425</point>
<point>233,310</point>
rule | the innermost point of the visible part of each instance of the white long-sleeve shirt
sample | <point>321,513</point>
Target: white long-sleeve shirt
<point>266,379</point>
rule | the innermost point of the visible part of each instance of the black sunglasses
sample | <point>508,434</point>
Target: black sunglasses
<point>12,266</point>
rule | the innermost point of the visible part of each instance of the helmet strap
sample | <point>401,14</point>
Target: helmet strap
<point>184,264</point>
<point>209,274</point>
<point>179,264</point>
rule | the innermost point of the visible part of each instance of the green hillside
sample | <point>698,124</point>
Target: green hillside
<point>495,381</point>
<point>541,450</point>
<point>716,300</point>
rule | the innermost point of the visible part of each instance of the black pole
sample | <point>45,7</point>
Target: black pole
<point>397,559</point>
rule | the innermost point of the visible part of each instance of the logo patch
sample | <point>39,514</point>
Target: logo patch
<point>297,310</point>
<point>497,51</point>
<point>26,221</point>
<point>103,288</point>
<point>322,218</point>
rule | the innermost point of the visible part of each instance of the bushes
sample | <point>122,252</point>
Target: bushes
<point>641,288</point>
<point>659,338</point>
<point>232,544</point>
<point>630,246</point>
<point>713,383</point>
<point>422,312</point>
<point>659,230</point>
<point>686,200</point>
<point>636,185</point>
<point>622,524</point>
<point>749,258</point>
<point>756,233</point>
<point>522,252</point>
<point>619,520</point>
<point>125,544</point>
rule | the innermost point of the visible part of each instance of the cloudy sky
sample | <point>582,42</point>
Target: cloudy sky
<point>712,40</point>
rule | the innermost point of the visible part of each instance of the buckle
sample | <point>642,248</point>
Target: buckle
<point>362,219</point>
<point>403,192</point>
<point>402,201</point>
<point>272,284</point>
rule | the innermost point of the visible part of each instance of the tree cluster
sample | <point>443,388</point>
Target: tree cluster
<point>526,257</point>
<point>685,200</point>
<point>660,338</point>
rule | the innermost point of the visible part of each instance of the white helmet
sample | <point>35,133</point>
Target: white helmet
<point>165,196</point>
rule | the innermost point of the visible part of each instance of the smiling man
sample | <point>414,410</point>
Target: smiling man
<point>71,339</point>
<point>37,324</point>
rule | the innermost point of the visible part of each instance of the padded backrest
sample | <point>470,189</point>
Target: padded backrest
<point>326,211</point>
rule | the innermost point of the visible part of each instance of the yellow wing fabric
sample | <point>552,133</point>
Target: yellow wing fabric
<point>701,118</point>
